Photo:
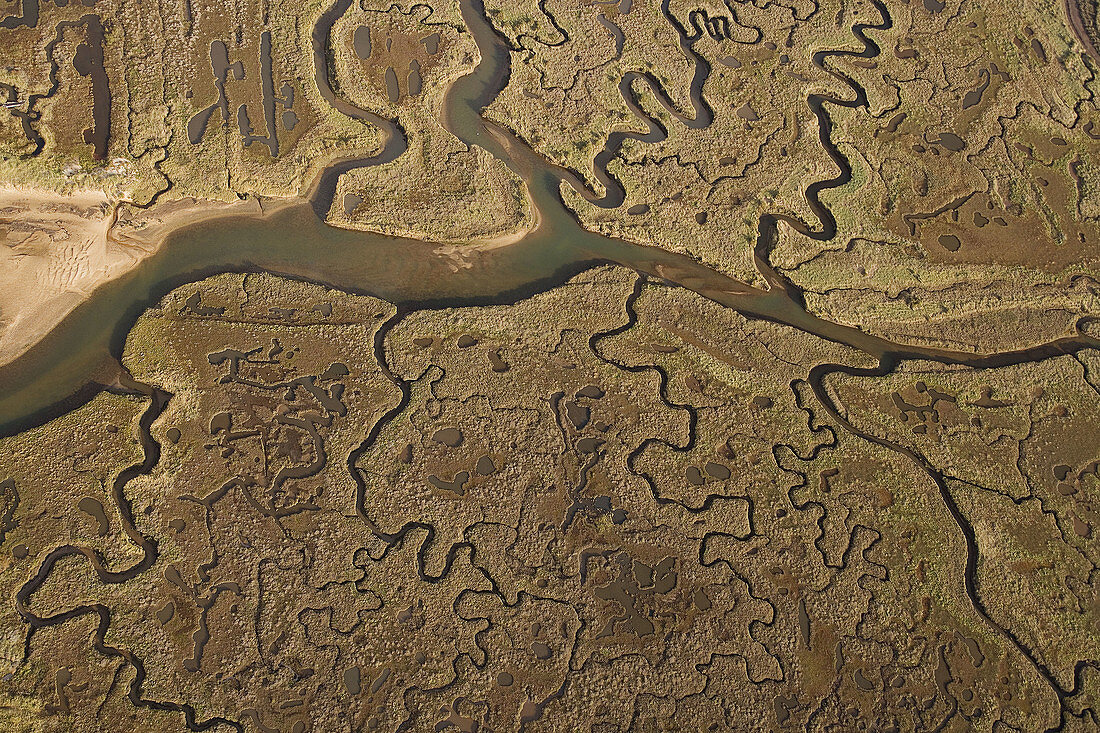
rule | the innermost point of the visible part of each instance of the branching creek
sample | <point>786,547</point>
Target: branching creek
<point>80,356</point>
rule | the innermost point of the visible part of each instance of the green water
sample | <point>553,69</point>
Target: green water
<point>83,348</point>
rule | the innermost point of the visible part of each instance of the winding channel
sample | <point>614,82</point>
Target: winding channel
<point>80,356</point>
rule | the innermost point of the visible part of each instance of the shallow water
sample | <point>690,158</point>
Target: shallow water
<point>81,352</point>
<point>294,242</point>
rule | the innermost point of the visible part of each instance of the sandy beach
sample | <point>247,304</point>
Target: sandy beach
<point>57,249</point>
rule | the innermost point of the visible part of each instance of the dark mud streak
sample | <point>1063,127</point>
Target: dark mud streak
<point>577,250</point>
<point>887,366</point>
<point>819,432</point>
<point>782,305</point>
<point>15,424</point>
<point>662,392</point>
<point>768,228</point>
<point>408,273</point>
<point>394,540</point>
<point>580,249</point>
<point>564,36</point>
<point>151,457</point>
<point>404,387</point>
<point>703,115</point>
